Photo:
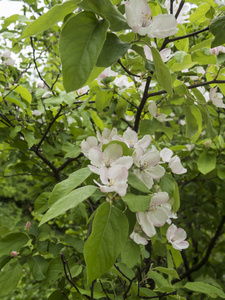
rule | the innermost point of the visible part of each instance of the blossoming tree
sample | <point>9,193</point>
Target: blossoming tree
<point>118,107</point>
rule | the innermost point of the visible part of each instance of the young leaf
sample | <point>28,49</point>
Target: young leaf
<point>168,271</point>
<point>109,234</point>
<point>206,162</point>
<point>70,201</point>
<point>137,202</point>
<point>55,14</point>
<point>136,183</point>
<point>80,44</point>
<point>107,10</point>
<point>64,187</point>
<point>112,50</point>
<point>162,72</point>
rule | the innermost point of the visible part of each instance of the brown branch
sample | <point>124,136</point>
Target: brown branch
<point>49,127</point>
<point>189,87</point>
<point>36,67</point>
<point>67,269</point>
<point>208,252</point>
<point>126,70</point>
<point>142,104</point>
<point>47,162</point>
<point>107,297</point>
<point>68,161</point>
<point>179,9</point>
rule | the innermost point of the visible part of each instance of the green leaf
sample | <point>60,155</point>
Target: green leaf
<point>205,288</point>
<point>176,198</point>
<point>98,121</point>
<point>205,44</point>
<point>191,122</point>
<point>55,14</point>
<point>137,202</point>
<point>206,162</point>
<point>80,44</point>
<point>202,59</point>
<point>130,254</point>
<point>13,242</point>
<point>29,137</point>
<point>107,10</point>
<point>109,234</point>
<point>162,72</point>
<point>126,150</point>
<point>66,186</point>
<point>220,171</point>
<point>199,15</point>
<point>38,267</point>
<point>186,63</point>
<point>177,258</point>
<point>217,27</point>
<point>168,271</point>
<point>9,279</point>
<point>102,100</point>
<point>158,278</point>
<point>70,201</point>
<point>112,50</point>
<point>136,183</point>
<point>198,117</point>
<point>167,184</point>
<point>211,132</point>
<point>23,92</point>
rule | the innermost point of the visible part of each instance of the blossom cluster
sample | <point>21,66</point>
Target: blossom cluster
<point>105,153</point>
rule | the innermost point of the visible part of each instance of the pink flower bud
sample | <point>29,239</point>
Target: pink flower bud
<point>28,225</point>
<point>14,253</point>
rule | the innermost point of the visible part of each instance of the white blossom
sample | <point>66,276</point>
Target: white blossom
<point>147,167</point>
<point>176,236</point>
<point>114,180</point>
<point>156,215</point>
<point>174,162</point>
<point>130,137</point>
<point>138,15</point>
<point>216,98</point>
<point>112,155</point>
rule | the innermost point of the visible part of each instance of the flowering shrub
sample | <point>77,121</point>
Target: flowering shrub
<point>113,111</point>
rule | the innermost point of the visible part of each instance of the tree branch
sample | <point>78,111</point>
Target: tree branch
<point>126,70</point>
<point>142,104</point>
<point>179,9</point>
<point>49,127</point>
<point>36,67</point>
<point>189,87</point>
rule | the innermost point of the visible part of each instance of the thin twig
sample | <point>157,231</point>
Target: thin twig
<point>189,87</point>
<point>179,9</point>
<point>65,265</point>
<point>107,297</point>
<point>142,104</point>
<point>126,70</point>
<point>36,67</point>
<point>49,127</point>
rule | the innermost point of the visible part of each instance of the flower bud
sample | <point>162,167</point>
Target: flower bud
<point>207,143</point>
<point>14,253</point>
<point>28,225</point>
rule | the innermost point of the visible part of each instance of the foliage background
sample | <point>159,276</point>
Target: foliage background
<point>42,127</point>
